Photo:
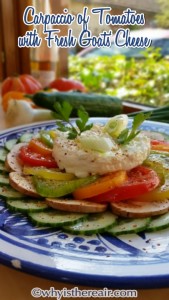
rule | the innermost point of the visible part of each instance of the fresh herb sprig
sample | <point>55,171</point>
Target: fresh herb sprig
<point>129,134</point>
<point>63,112</point>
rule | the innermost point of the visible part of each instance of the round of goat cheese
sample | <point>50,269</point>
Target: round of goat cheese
<point>72,157</point>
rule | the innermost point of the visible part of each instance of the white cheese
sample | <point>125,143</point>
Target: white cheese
<point>73,158</point>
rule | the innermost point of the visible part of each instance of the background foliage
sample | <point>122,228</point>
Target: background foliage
<point>162,18</point>
<point>144,81</point>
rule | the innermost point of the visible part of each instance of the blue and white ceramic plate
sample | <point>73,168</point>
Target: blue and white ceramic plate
<point>127,261</point>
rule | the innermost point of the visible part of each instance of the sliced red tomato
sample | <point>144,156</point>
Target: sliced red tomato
<point>160,145</point>
<point>157,142</point>
<point>28,157</point>
<point>66,84</point>
<point>140,181</point>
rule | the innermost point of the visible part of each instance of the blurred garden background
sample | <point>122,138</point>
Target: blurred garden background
<point>141,78</point>
<point>136,75</point>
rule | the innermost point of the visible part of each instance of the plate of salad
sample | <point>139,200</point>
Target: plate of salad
<point>85,201</point>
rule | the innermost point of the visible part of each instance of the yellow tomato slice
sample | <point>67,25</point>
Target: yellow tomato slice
<point>159,163</point>
<point>37,146</point>
<point>102,185</point>
<point>157,195</point>
<point>160,193</point>
<point>47,173</point>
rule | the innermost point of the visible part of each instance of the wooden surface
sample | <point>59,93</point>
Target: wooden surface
<point>16,59</point>
<point>3,123</point>
<point>15,285</point>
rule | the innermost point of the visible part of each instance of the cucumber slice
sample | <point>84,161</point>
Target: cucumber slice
<point>27,205</point>
<point>3,168</point>
<point>129,226</point>
<point>4,179</point>
<point>55,218</point>
<point>3,154</point>
<point>95,223</point>
<point>26,137</point>
<point>9,144</point>
<point>53,188</point>
<point>158,223</point>
<point>9,193</point>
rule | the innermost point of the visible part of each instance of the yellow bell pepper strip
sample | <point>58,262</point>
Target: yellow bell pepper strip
<point>37,146</point>
<point>102,185</point>
<point>47,173</point>
<point>160,163</point>
<point>52,134</point>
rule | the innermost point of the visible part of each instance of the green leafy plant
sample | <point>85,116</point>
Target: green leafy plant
<point>143,80</point>
<point>127,135</point>
<point>63,113</point>
<point>162,17</point>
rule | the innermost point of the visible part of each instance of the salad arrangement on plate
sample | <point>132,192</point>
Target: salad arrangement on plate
<point>89,178</point>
